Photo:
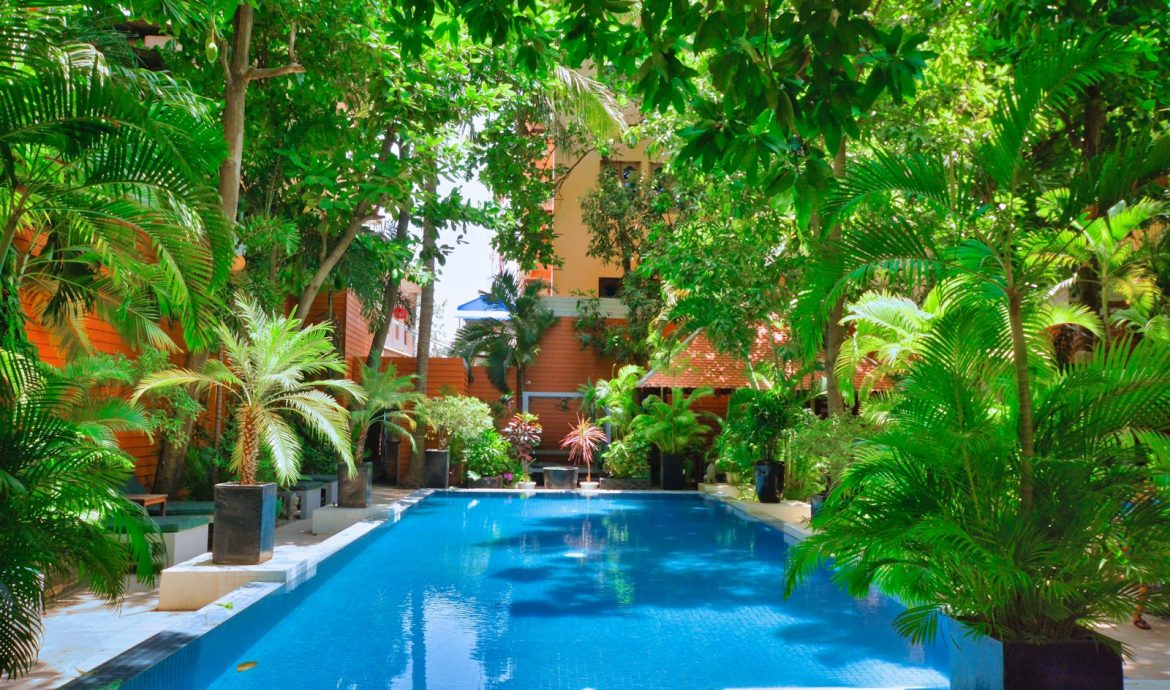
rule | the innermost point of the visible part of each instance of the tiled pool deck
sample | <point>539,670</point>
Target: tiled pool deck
<point>82,633</point>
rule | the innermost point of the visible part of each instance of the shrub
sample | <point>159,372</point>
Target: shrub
<point>628,457</point>
<point>454,420</point>
<point>488,455</point>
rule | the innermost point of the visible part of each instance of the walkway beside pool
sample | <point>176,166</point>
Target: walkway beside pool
<point>81,632</point>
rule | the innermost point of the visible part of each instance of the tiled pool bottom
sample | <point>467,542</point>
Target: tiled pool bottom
<point>559,591</point>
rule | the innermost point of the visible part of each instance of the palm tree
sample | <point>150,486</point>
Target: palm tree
<point>514,342</point>
<point>63,507</point>
<point>388,395</point>
<point>988,205</point>
<point>1108,254</point>
<point>997,491</point>
<point>930,514</point>
<point>270,367</point>
<point>106,205</point>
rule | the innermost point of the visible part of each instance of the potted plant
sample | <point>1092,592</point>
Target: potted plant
<point>824,448</point>
<point>387,396</point>
<point>453,421</point>
<point>756,426</point>
<point>270,368</point>
<point>523,431</point>
<point>582,442</point>
<point>673,428</point>
<point>488,459</point>
<point>627,462</point>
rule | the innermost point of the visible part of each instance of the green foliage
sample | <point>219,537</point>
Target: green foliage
<point>387,397</point>
<point>103,161</point>
<point>818,451</point>
<point>271,367</point>
<point>523,432</point>
<point>931,512</point>
<point>628,458</point>
<point>755,427</point>
<point>671,426</point>
<point>454,420</point>
<point>488,455</point>
<point>64,512</point>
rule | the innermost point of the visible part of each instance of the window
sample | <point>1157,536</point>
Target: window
<point>609,287</point>
<point>659,178</point>
<point>627,171</point>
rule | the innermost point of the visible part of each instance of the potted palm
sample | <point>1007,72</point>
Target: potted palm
<point>453,421</point>
<point>387,397</point>
<point>523,431</point>
<point>270,368</point>
<point>672,427</point>
<point>582,442</point>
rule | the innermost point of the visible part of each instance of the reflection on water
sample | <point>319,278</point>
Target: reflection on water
<point>573,592</point>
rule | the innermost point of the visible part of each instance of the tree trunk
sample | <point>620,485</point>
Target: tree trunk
<point>237,74</point>
<point>834,331</point>
<point>361,215</point>
<point>250,453</point>
<point>518,398</point>
<point>172,457</point>
<point>389,295</point>
<point>235,98</point>
<point>1025,424</point>
<point>425,316</point>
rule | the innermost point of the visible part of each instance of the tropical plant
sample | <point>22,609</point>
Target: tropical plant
<point>886,335</point>
<point>821,449</point>
<point>997,492</point>
<point>510,343</point>
<point>1109,254</point>
<point>582,441</point>
<point>672,426</point>
<point>387,398</point>
<point>931,511</point>
<point>64,512</point>
<point>627,458</point>
<point>613,401</point>
<point>270,368</point>
<point>523,432</point>
<point>105,160</point>
<point>488,455</point>
<point>454,420</point>
<point>754,428</point>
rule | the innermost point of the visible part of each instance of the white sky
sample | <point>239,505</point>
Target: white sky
<point>469,267</point>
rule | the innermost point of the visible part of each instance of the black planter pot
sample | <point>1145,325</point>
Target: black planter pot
<point>356,491</point>
<point>560,478</point>
<point>1084,664</point>
<point>655,466</point>
<point>436,465</point>
<point>673,472</point>
<point>769,481</point>
<point>245,523</point>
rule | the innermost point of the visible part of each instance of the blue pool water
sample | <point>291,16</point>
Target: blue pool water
<point>563,591</point>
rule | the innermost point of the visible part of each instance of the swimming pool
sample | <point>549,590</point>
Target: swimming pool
<point>562,591</point>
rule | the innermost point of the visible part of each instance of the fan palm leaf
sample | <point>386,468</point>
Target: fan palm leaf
<point>273,367</point>
<point>64,511</point>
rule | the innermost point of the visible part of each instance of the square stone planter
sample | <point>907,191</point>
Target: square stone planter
<point>245,523</point>
<point>356,491</point>
<point>673,472</point>
<point>560,478</point>
<point>984,663</point>
<point>436,469</point>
